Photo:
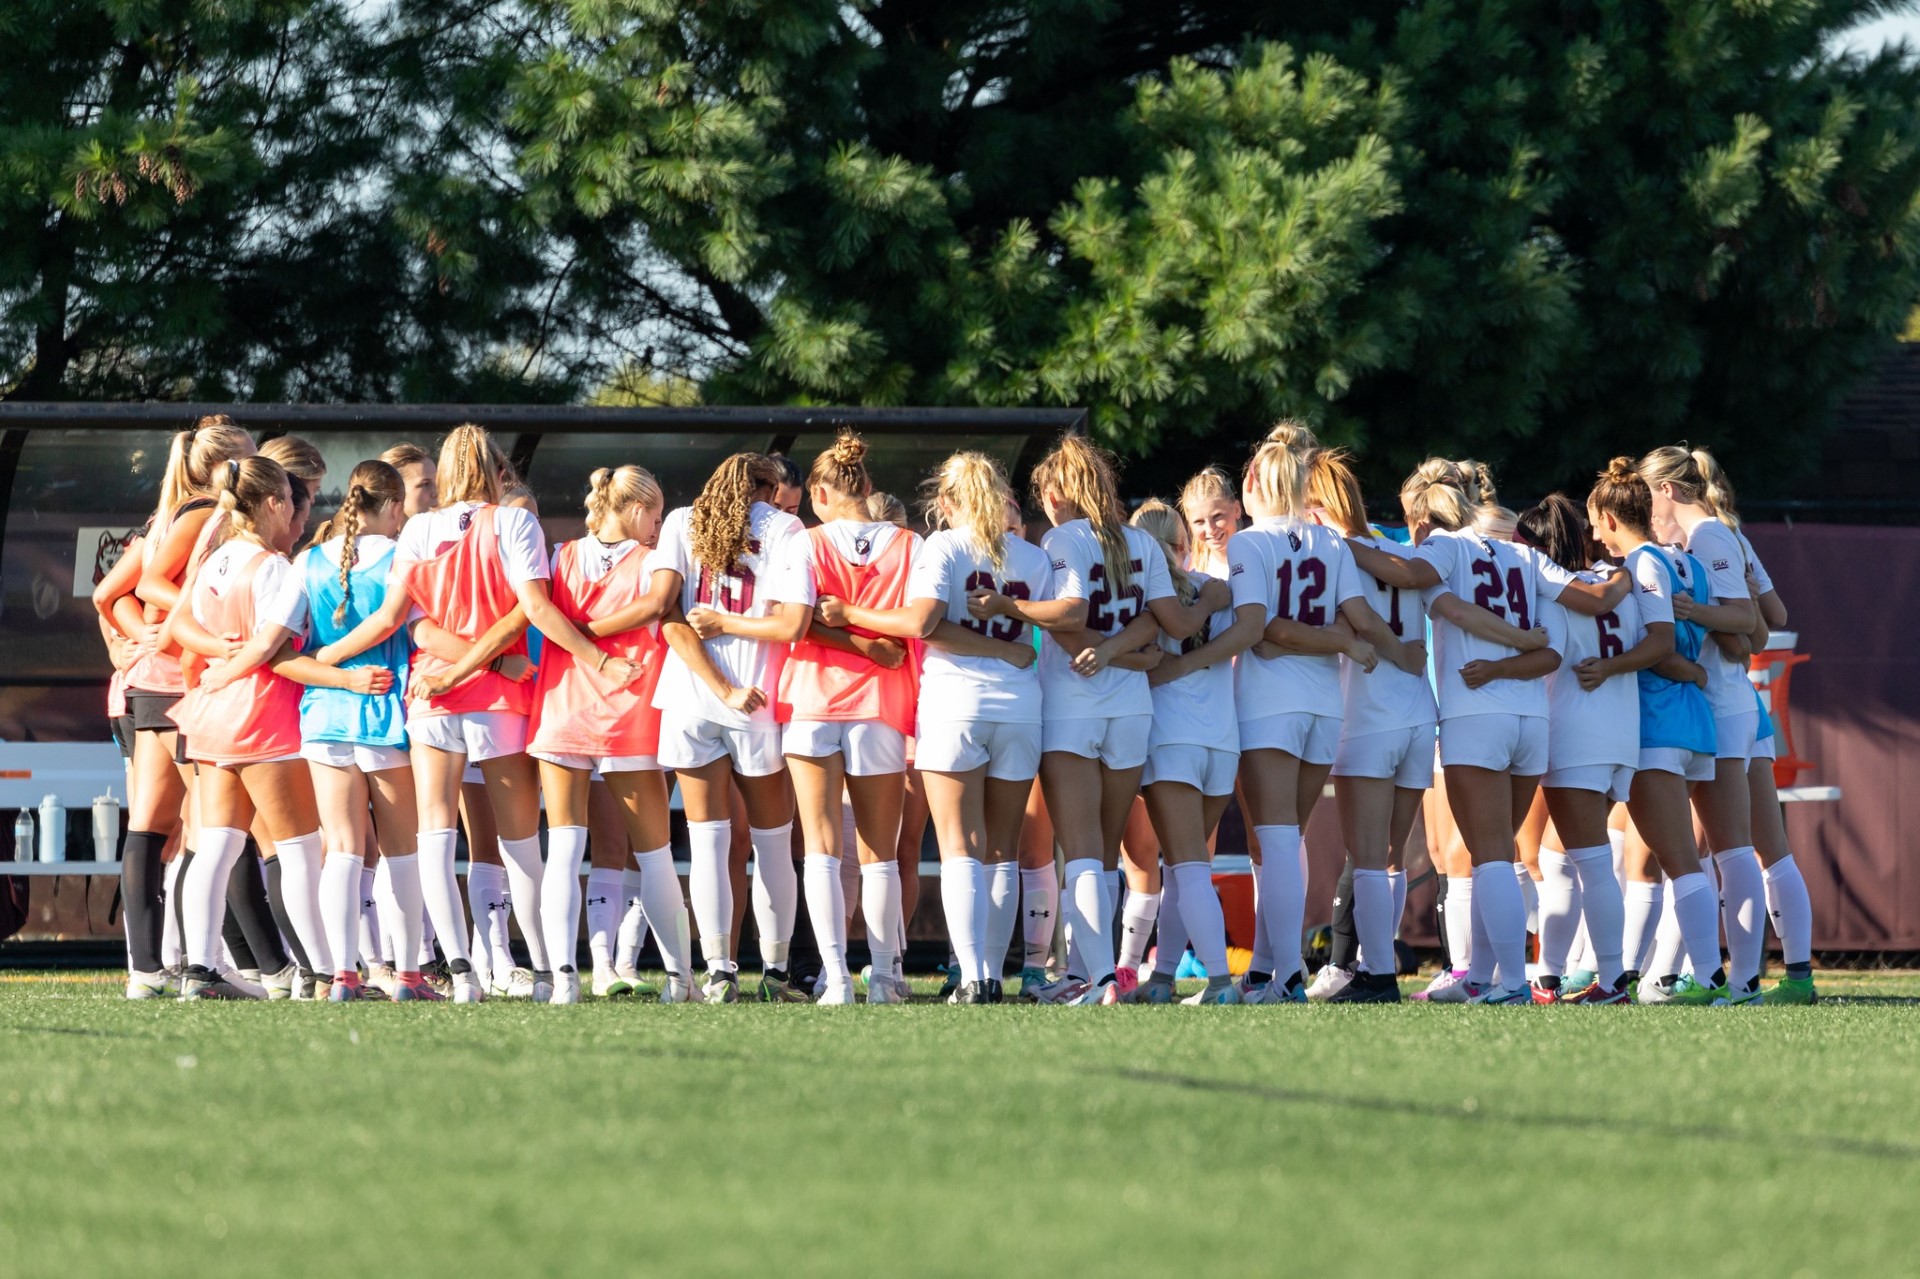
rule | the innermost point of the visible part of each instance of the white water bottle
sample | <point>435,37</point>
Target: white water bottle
<point>23,836</point>
<point>53,830</point>
<point>106,828</point>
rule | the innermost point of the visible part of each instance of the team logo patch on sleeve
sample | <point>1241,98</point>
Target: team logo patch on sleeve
<point>1720,566</point>
<point>1060,566</point>
<point>1236,570</point>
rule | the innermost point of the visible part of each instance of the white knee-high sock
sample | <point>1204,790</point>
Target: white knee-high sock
<point>1502,916</point>
<point>1696,908</point>
<point>340,909</point>
<point>666,908</point>
<point>1003,907</point>
<point>1040,904</point>
<point>1791,909</point>
<point>203,892</point>
<point>606,899</point>
<point>776,892</point>
<point>1559,912</point>
<point>1529,895</point>
<point>1089,916</point>
<point>560,895</point>
<point>827,909</point>
<point>486,891</point>
<point>521,857</point>
<point>1743,893</point>
<point>1580,954</point>
<point>880,904</point>
<point>1136,927</point>
<point>1669,943</point>
<point>372,943</point>
<point>1373,921</point>
<point>1173,935</point>
<point>1262,961</point>
<point>426,942</point>
<point>849,872</point>
<point>300,890</point>
<point>440,891</point>
<point>632,934</point>
<point>963,893</point>
<point>1460,935</point>
<point>1643,905</point>
<point>712,890</point>
<point>1283,894</point>
<point>387,914</point>
<point>1397,882</point>
<point>172,945</point>
<point>406,891</point>
<point>1200,911</point>
<point>1603,908</point>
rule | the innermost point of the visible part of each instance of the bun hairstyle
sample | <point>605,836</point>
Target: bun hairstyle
<point>1084,474</point>
<point>244,486</point>
<point>470,466</point>
<point>1557,527</point>
<point>721,514</point>
<point>843,467</point>
<point>195,456</point>
<point>1436,494</point>
<point>1332,487</point>
<point>1476,481</point>
<point>1169,528</point>
<point>1210,485</point>
<point>1297,436</point>
<point>886,507</point>
<point>1622,492</point>
<point>1278,471</point>
<point>373,486</point>
<point>1696,477</point>
<point>612,492</point>
<point>969,494</point>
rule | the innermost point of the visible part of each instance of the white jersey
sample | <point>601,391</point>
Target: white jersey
<point>1080,573</point>
<point>1602,726</point>
<point>1507,580</point>
<point>1718,549</point>
<point>1197,708</point>
<point>1390,698</point>
<point>955,687</point>
<point>1302,572</point>
<point>772,571</point>
<point>1762,583</point>
<point>279,593</point>
<point>597,558</point>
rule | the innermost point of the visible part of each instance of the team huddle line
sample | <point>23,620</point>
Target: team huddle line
<point>308,724</point>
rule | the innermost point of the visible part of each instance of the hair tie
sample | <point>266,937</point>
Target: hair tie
<point>233,472</point>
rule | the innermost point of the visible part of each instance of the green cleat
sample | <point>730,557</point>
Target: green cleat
<point>1690,993</point>
<point>1793,990</point>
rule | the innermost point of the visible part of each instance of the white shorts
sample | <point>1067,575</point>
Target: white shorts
<point>1514,744</point>
<point>472,776</point>
<point>1310,738</point>
<point>1615,781</point>
<point>1733,736</point>
<point>1695,766</point>
<point>868,747</point>
<point>1117,741</point>
<point>1765,747</point>
<point>368,759</point>
<point>1209,771</point>
<point>687,741</point>
<point>1011,752</point>
<point>476,734</point>
<point>1404,754</point>
<point>598,764</point>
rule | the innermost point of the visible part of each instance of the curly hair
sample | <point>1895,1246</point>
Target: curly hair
<point>724,509</point>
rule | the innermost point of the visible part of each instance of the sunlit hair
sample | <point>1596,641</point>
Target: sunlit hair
<point>1277,472</point>
<point>1332,487</point>
<point>1495,523</point>
<point>969,494</point>
<point>1696,477</point>
<point>1084,474</point>
<point>886,507</point>
<point>470,466</point>
<point>1557,527</point>
<point>404,454</point>
<point>1169,528</point>
<point>1294,435</point>
<point>1620,491</point>
<point>244,486</point>
<point>790,473</point>
<point>1211,485</point>
<point>297,457</point>
<point>372,487</point>
<point>1434,494</point>
<point>193,457</point>
<point>611,493</point>
<point>1476,481</point>
<point>843,466</point>
<point>722,513</point>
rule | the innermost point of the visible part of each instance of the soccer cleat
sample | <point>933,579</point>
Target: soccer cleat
<point>542,986</point>
<point>1277,991</point>
<point>679,990</point>
<point>608,984</point>
<point>1683,990</point>
<point>836,994</point>
<point>631,975</point>
<point>885,990</point>
<point>974,992</point>
<point>776,989</point>
<point>1439,990</point>
<point>996,994</point>
<point>146,985</point>
<point>519,984</point>
<point>1034,985</point>
<point>420,991</point>
<point>950,973</point>
<point>1224,992</point>
<point>1330,981</point>
<point>280,985</point>
<point>1793,990</point>
<point>566,986</point>
<point>438,975</point>
<point>1126,984</point>
<point>381,978</point>
<point>1579,979</point>
<point>1158,989</point>
<point>722,988</point>
<point>1367,988</point>
<point>202,984</point>
<point>1459,991</point>
<point>1092,994</point>
<point>1738,996</point>
<point>1492,994</point>
<point>466,989</point>
<point>1594,993</point>
<point>1545,994</point>
<point>344,989</point>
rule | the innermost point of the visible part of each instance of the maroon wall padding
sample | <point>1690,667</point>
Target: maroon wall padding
<point>1853,594</point>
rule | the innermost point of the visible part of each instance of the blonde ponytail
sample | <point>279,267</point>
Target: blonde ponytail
<point>1435,494</point>
<point>243,486</point>
<point>610,493</point>
<point>1332,487</point>
<point>1083,474</point>
<point>1168,528</point>
<point>193,461</point>
<point>470,466</point>
<point>1716,490</point>
<point>1277,472</point>
<point>969,494</point>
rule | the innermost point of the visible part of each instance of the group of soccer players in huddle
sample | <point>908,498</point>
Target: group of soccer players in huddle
<point>309,721</point>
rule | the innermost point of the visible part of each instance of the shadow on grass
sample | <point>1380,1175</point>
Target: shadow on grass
<point>1885,1001</point>
<point>77,1031</point>
<point>1468,1112</point>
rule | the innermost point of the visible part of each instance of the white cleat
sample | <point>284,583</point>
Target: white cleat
<point>146,985</point>
<point>721,988</point>
<point>217,986</point>
<point>679,990</point>
<point>566,988</point>
<point>1458,990</point>
<point>542,987</point>
<point>281,985</point>
<point>467,989</point>
<point>382,978</point>
<point>838,993</point>
<point>1055,991</point>
<point>519,985</point>
<point>1329,981</point>
<point>885,990</point>
<point>1224,993</point>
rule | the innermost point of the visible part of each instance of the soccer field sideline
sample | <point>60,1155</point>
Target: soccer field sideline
<point>506,1137</point>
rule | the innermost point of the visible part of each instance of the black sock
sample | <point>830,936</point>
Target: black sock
<point>1440,927</point>
<point>1345,951</point>
<point>1801,972</point>
<point>175,906</point>
<point>1257,978</point>
<point>277,903</point>
<point>1547,981</point>
<point>236,939</point>
<point>247,900</point>
<point>1719,977</point>
<point>142,883</point>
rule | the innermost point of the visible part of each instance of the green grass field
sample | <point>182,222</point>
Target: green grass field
<point>371,1139</point>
